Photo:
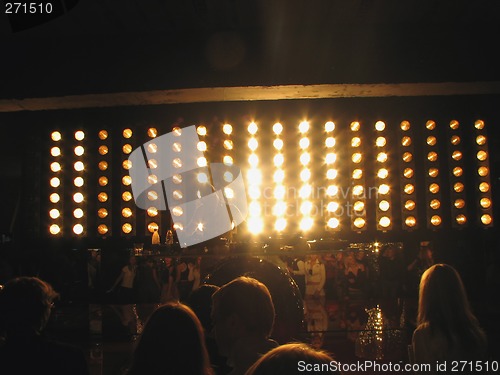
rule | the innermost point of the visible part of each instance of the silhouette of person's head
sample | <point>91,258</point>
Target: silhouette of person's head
<point>241,308</point>
<point>292,359</point>
<point>200,300</point>
<point>172,342</point>
<point>25,305</point>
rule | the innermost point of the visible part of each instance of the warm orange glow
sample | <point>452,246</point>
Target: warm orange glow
<point>103,134</point>
<point>127,149</point>
<point>126,212</point>
<point>436,220</point>
<point>454,124</point>
<point>486,219</point>
<point>127,133</point>
<point>103,165</point>
<point>127,228</point>
<point>411,221</point>
<point>102,229</point>
<point>405,126</point>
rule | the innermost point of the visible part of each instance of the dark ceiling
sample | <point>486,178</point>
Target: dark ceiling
<point>136,45</point>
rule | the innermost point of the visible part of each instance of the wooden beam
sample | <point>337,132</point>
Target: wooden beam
<point>249,93</point>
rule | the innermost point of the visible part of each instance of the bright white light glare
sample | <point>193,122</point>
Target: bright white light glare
<point>379,126</point>
<point>278,144</point>
<point>384,205</point>
<point>254,176</point>
<point>306,207</point>
<point>78,181</point>
<point>357,190</point>
<point>254,192</point>
<point>332,206</point>
<point>78,229</point>
<point>229,193</point>
<point>359,222</point>
<point>79,135</point>
<point>278,160</point>
<point>384,222</point>
<point>56,136</point>
<point>306,223</point>
<point>330,142</point>
<point>253,144</point>
<point>253,160</point>
<point>78,197</point>
<point>277,128</point>
<point>202,178</point>
<point>54,197</point>
<point>329,126</point>
<point>383,189</point>
<point>279,192</point>
<point>380,141</point>
<point>200,227</point>
<point>55,151</point>
<point>201,130</point>
<point>330,158</point>
<point>255,225</point>
<point>304,143</point>
<point>252,128</point>
<point>382,173</point>
<point>382,157</point>
<point>305,175</point>
<point>332,190</point>
<point>202,146</point>
<point>228,160</point>
<point>54,213</point>
<point>305,191</point>
<point>55,167</point>
<point>331,174</point>
<point>254,209</point>
<point>279,175</point>
<point>79,166</point>
<point>227,129</point>
<point>55,229</point>
<point>79,150</point>
<point>280,224</point>
<point>305,158</point>
<point>78,213</point>
<point>55,182</point>
<point>333,223</point>
<point>202,161</point>
<point>304,126</point>
<point>279,209</point>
